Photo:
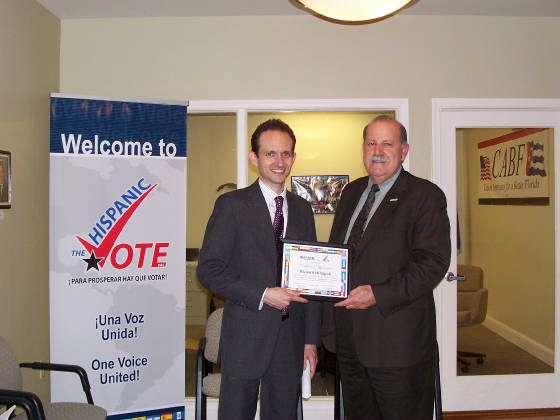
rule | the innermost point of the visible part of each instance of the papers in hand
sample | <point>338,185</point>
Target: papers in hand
<point>6,414</point>
<point>306,381</point>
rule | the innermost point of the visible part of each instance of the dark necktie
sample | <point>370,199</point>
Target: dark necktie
<point>360,222</point>
<point>278,226</point>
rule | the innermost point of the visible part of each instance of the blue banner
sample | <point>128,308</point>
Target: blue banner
<point>114,128</point>
<point>117,253</point>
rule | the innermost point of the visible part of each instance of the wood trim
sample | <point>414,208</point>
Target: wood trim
<point>501,414</point>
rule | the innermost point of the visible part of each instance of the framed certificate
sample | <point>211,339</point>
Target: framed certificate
<point>318,270</point>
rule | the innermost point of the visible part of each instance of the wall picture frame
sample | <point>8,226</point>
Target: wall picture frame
<point>321,191</point>
<point>5,179</point>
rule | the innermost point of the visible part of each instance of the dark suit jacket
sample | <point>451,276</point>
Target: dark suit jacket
<point>238,260</point>
<point>403,255</point>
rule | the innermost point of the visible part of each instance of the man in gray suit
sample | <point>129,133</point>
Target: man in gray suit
<point>268,332</point>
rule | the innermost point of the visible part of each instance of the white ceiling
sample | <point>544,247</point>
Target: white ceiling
<point>66,9</point>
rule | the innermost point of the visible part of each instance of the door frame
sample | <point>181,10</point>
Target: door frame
<point>495,392</point>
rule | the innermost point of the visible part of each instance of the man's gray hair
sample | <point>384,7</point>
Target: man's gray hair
<point>388,118</point>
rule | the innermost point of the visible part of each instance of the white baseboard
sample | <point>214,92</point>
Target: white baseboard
<point>531,346</point>
<point>315,408</point>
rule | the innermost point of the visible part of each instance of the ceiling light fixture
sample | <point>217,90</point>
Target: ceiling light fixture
<point>354,11</point>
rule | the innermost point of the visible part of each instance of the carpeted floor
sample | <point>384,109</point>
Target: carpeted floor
<point>502,357</point>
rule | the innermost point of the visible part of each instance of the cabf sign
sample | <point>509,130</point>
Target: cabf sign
<point>514,168</point>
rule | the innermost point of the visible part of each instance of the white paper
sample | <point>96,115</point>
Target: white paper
<point>306,382</point>
<point>6,414</point>
<point>314,271</point>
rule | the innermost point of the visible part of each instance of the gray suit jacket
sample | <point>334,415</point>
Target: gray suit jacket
<point>403,255</point>
<point>238,260</point>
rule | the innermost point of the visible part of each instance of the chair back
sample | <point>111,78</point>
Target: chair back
<point>10,373</point>
<point>472,297</point>
<point>212,334</point>
<point>474,278</point>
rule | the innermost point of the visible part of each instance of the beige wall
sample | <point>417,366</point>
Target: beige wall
<point>514,244</point>
<point>417,57</point>
<point>29,42</point>
<point>211,162</point>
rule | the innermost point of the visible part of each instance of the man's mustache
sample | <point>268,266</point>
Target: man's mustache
<point>379,159</point>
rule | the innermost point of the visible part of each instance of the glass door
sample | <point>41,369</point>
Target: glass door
<point>495,160</point>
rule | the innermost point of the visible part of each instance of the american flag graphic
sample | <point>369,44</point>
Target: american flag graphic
<point>485,168</point>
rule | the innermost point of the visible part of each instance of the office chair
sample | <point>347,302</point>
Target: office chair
<point>472,303</point>
<point>11,390</point>
<point>208,381</point>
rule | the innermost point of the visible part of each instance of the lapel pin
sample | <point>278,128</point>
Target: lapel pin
<point>394,199</point>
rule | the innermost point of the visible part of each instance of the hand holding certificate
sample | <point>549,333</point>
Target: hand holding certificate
<point>315,269</point>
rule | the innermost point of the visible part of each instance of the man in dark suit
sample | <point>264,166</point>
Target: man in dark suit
<point>268,332</point>
<point>399,237</point>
